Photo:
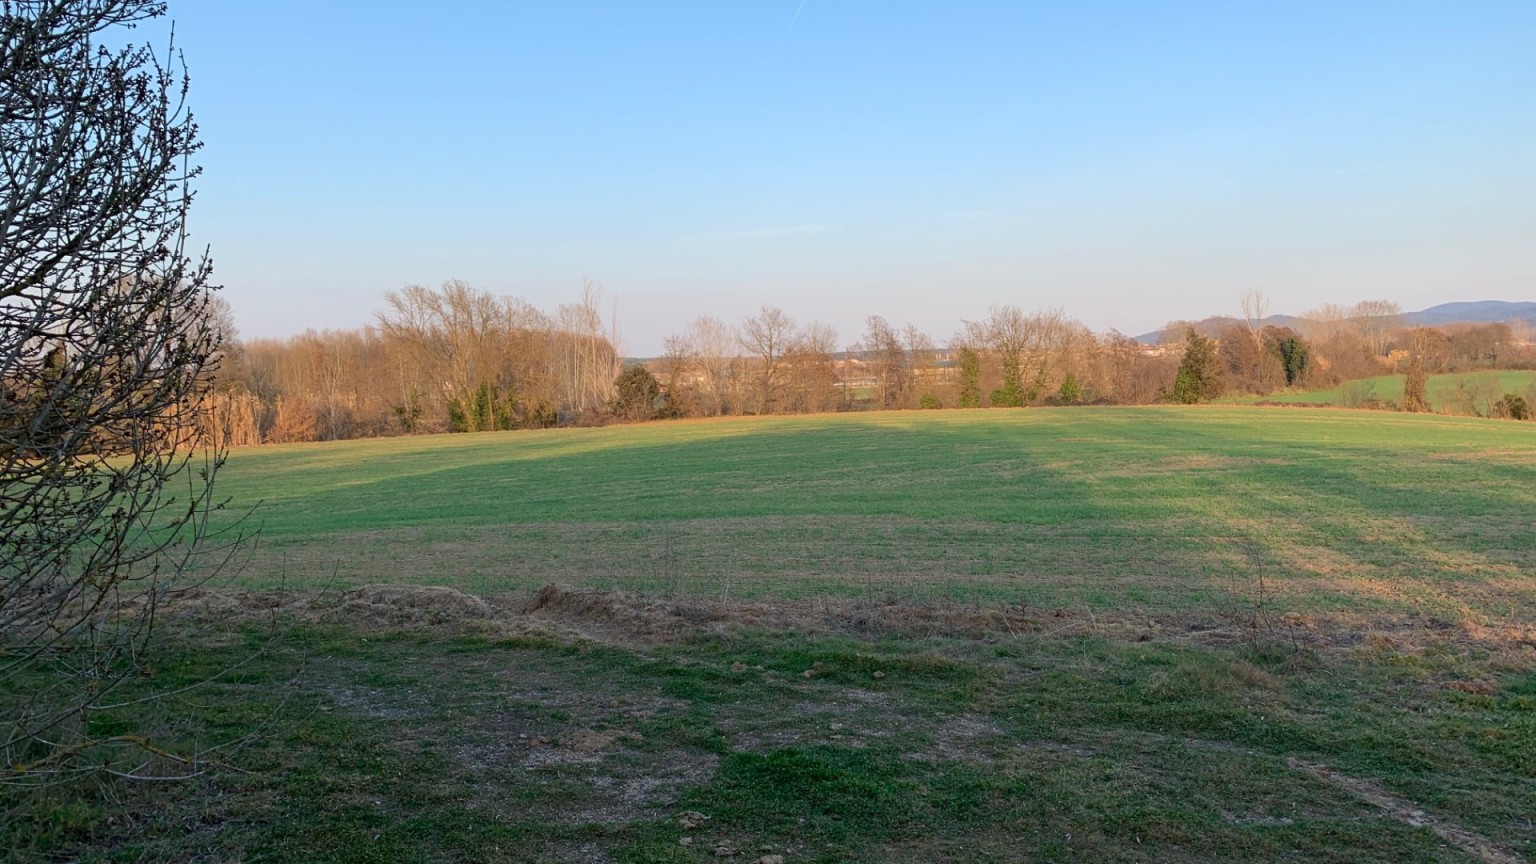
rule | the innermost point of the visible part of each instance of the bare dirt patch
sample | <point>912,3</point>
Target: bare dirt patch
<point>825,714</point>
<point>521,734</point>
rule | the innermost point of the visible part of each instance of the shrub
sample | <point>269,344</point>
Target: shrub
<point>1512,407</point>
<point>637,394</point>
<point>1070,391</point>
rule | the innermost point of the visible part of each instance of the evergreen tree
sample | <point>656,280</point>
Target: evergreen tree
<point>637,393</point>
<point>1199,378</point>
<point>1070,390</point>
<point>970,378</point>
<point>1292,352</point>
<point>1011,394</point>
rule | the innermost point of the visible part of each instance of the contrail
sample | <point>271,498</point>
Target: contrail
<point>794,19</point>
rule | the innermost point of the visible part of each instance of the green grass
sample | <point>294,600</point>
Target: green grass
<point>1156,508</point>
<point>1116,682</point>
<point>1036,748</point>
<point>1450,393</point>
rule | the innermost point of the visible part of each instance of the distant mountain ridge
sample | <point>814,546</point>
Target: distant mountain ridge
<point>1467,312</point>
<point>1479,311</point>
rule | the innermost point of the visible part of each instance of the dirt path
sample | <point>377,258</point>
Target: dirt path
<point>1370,792</point>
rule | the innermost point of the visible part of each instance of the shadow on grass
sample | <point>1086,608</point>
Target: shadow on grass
<point>1111,507</point>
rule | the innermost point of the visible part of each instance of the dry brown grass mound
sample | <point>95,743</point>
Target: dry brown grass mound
<point>370,608</point>
<point>563,612</point>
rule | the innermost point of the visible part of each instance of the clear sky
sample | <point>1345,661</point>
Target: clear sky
<point>1133,162</point>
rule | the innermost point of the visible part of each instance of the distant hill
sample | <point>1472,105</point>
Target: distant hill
<point>1481,311</point>
<point>1212,325</point>
<point>1473,312</point>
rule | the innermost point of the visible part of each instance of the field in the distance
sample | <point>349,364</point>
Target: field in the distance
<point>1449,393</point>
<point>1156,508</point>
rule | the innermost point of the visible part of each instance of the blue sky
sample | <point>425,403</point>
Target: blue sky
<point>1132,162</point>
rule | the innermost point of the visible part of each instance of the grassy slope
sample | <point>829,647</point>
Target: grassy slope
<point>1032,748</point>
<point>1482,388</point>
<point>1058,738</point>
<point>1162,507</point>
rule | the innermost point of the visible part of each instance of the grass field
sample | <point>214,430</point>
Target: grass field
<point>1446,393</point>
<point>873,745</point>
<point>1022,636</point>
<point>1162,508</point>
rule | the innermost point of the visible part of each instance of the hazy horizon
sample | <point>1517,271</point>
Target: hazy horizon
<point>920,161</point>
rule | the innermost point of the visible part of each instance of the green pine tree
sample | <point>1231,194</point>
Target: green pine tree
<point>1199,377</point>
<point>1070,390</point>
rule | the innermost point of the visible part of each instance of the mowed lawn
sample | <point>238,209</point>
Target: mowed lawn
<point>1154,507</point>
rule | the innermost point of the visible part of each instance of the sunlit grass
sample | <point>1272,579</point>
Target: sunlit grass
<point>1160,506</point>
<point>1450,393</point>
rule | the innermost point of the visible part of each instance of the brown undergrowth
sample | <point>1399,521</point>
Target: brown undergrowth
<point>619,617</point>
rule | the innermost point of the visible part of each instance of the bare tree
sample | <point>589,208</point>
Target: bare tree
<point>923,372</point>
<point>106,351</point>
<point>1255,309</point>
<point>679,373</point>
<point>887,358</point>
<point>1324,322</point>
<point>1132,373</point>
<point>1377,320</point>
<point>1029,347</point>
<point>592,361</point>
<point>810,375</point>
<point>456,335</point>
<point>766,336</point>
<point>462,347</point>
<point>1341,352</point>
<point>717,344</point>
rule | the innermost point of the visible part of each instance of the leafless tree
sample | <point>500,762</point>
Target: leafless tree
<point>1255,309</point>
<point>1029,347</point>
<point>106,352</point>
<point>923,372</point>
<point>766,336</point>
<point>809,371</point>
<point>1341,352</point>
<point>1124,365</point>
<point>678,371</point>
<point>1324,322</point>
<point>717,344</point>
<point>886,358</point>
<point>458,333</point>
<point>450,343</point>
<point>1377,320</point>
<point>592,360</point>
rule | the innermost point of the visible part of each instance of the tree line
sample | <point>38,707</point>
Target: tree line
<point>459,359</point>
<point>1346,344</point>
